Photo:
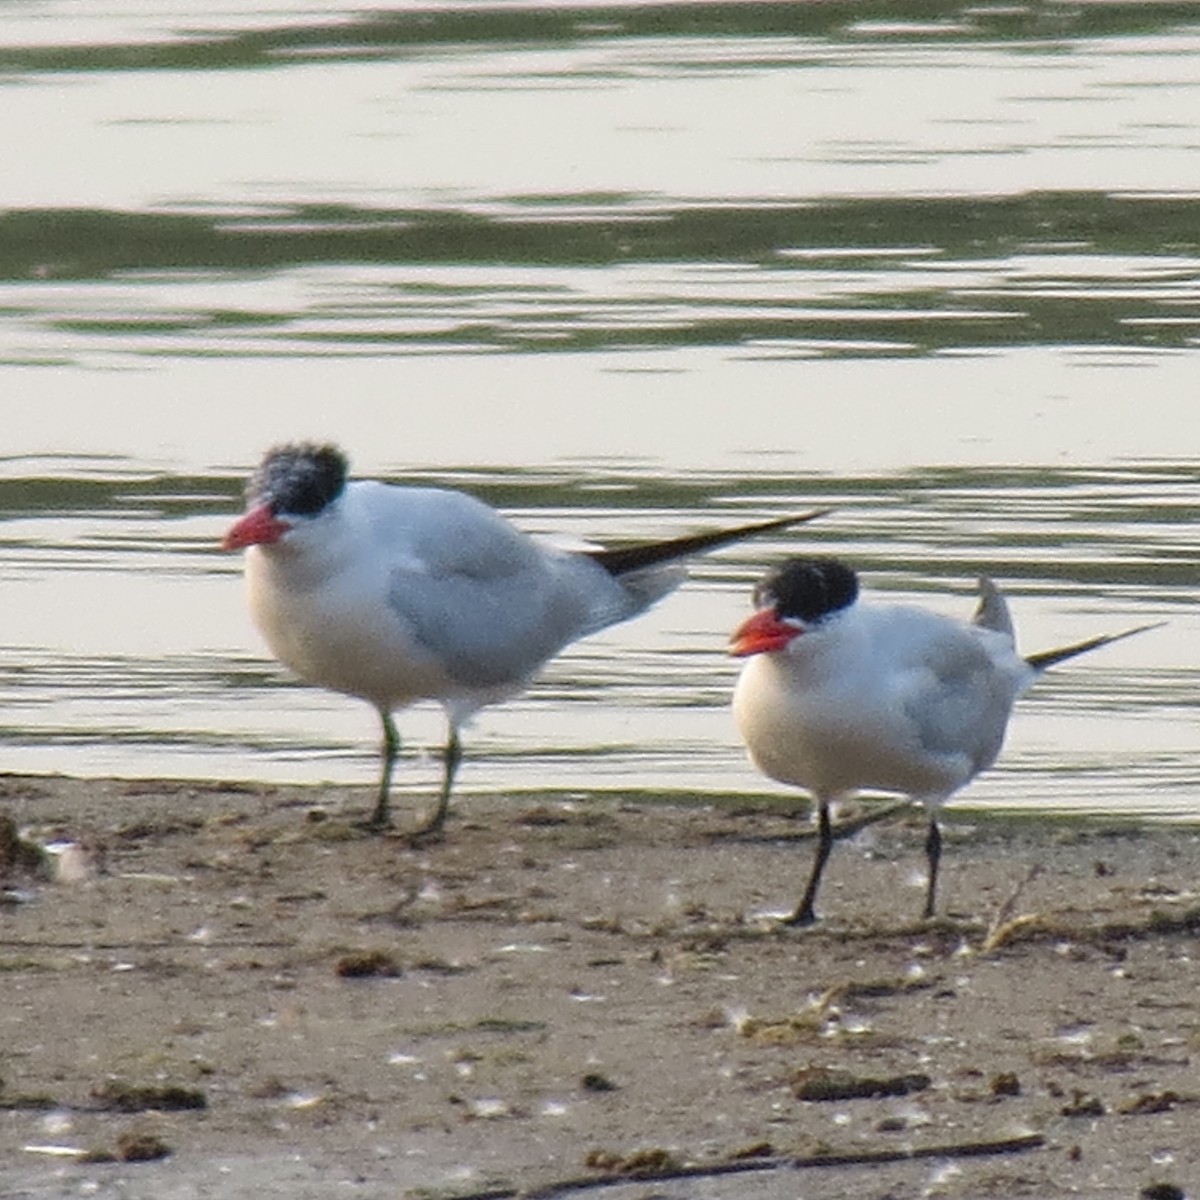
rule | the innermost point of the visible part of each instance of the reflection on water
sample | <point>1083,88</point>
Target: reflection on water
<point>624,271</point>
<point>890,276</point>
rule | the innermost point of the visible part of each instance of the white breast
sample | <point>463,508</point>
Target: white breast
<point>881,698</point>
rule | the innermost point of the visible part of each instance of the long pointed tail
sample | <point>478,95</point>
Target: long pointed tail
<point>620,560</point>
<point>1047,658</point>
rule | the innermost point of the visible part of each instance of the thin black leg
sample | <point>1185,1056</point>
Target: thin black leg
<point>804,914</point>
<point>933,851</point>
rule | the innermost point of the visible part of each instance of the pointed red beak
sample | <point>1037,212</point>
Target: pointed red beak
<point>259,527</point>
<point>761,634</point>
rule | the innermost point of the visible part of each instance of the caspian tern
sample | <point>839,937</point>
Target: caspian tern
<point>399,594</point>
<point>838,696</point>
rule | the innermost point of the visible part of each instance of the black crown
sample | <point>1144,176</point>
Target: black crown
<point>807,588</point>
<point>300,478</point>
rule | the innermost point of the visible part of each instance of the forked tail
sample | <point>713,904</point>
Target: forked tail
<point>621,560</point>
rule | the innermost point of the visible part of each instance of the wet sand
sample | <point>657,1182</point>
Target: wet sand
<point>587,997</point>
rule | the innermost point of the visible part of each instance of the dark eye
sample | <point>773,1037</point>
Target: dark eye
<point>305,497</point>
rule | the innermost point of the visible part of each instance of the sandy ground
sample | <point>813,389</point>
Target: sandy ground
<point>559,998</point>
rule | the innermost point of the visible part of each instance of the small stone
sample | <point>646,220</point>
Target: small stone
<point>1162,1191</point>
<point>141,1147</point>
<point>593,1081</point>
<point>824,1083</point>
<point>1082,1105</point>
<point>120,1096</point>
<point>363,964</point>
<point>1150,1103</point>
<point>1005,1083</point>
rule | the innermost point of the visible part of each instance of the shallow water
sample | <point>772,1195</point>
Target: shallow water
<point>623,271</point>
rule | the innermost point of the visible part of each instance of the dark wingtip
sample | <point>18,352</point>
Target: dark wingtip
<point>620,560</point>
<point>1048,658</point>
<point>992,612</point>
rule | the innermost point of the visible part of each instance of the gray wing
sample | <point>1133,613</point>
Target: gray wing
<point>489,602</point>
<point>960,698</point>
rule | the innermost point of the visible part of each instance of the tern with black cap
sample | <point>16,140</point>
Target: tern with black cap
<point>840,696</point>
<point>398,594</point>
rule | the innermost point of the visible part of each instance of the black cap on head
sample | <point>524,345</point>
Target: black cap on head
<point>300,478</point>
<point>807,588</point>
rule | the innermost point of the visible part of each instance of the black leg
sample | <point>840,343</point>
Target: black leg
<point>933,851</point>
<point>804,914</point>
<point>451,757</point>
<point>381,818</point>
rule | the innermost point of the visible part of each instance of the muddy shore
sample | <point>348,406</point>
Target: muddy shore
<point>231,991</point>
